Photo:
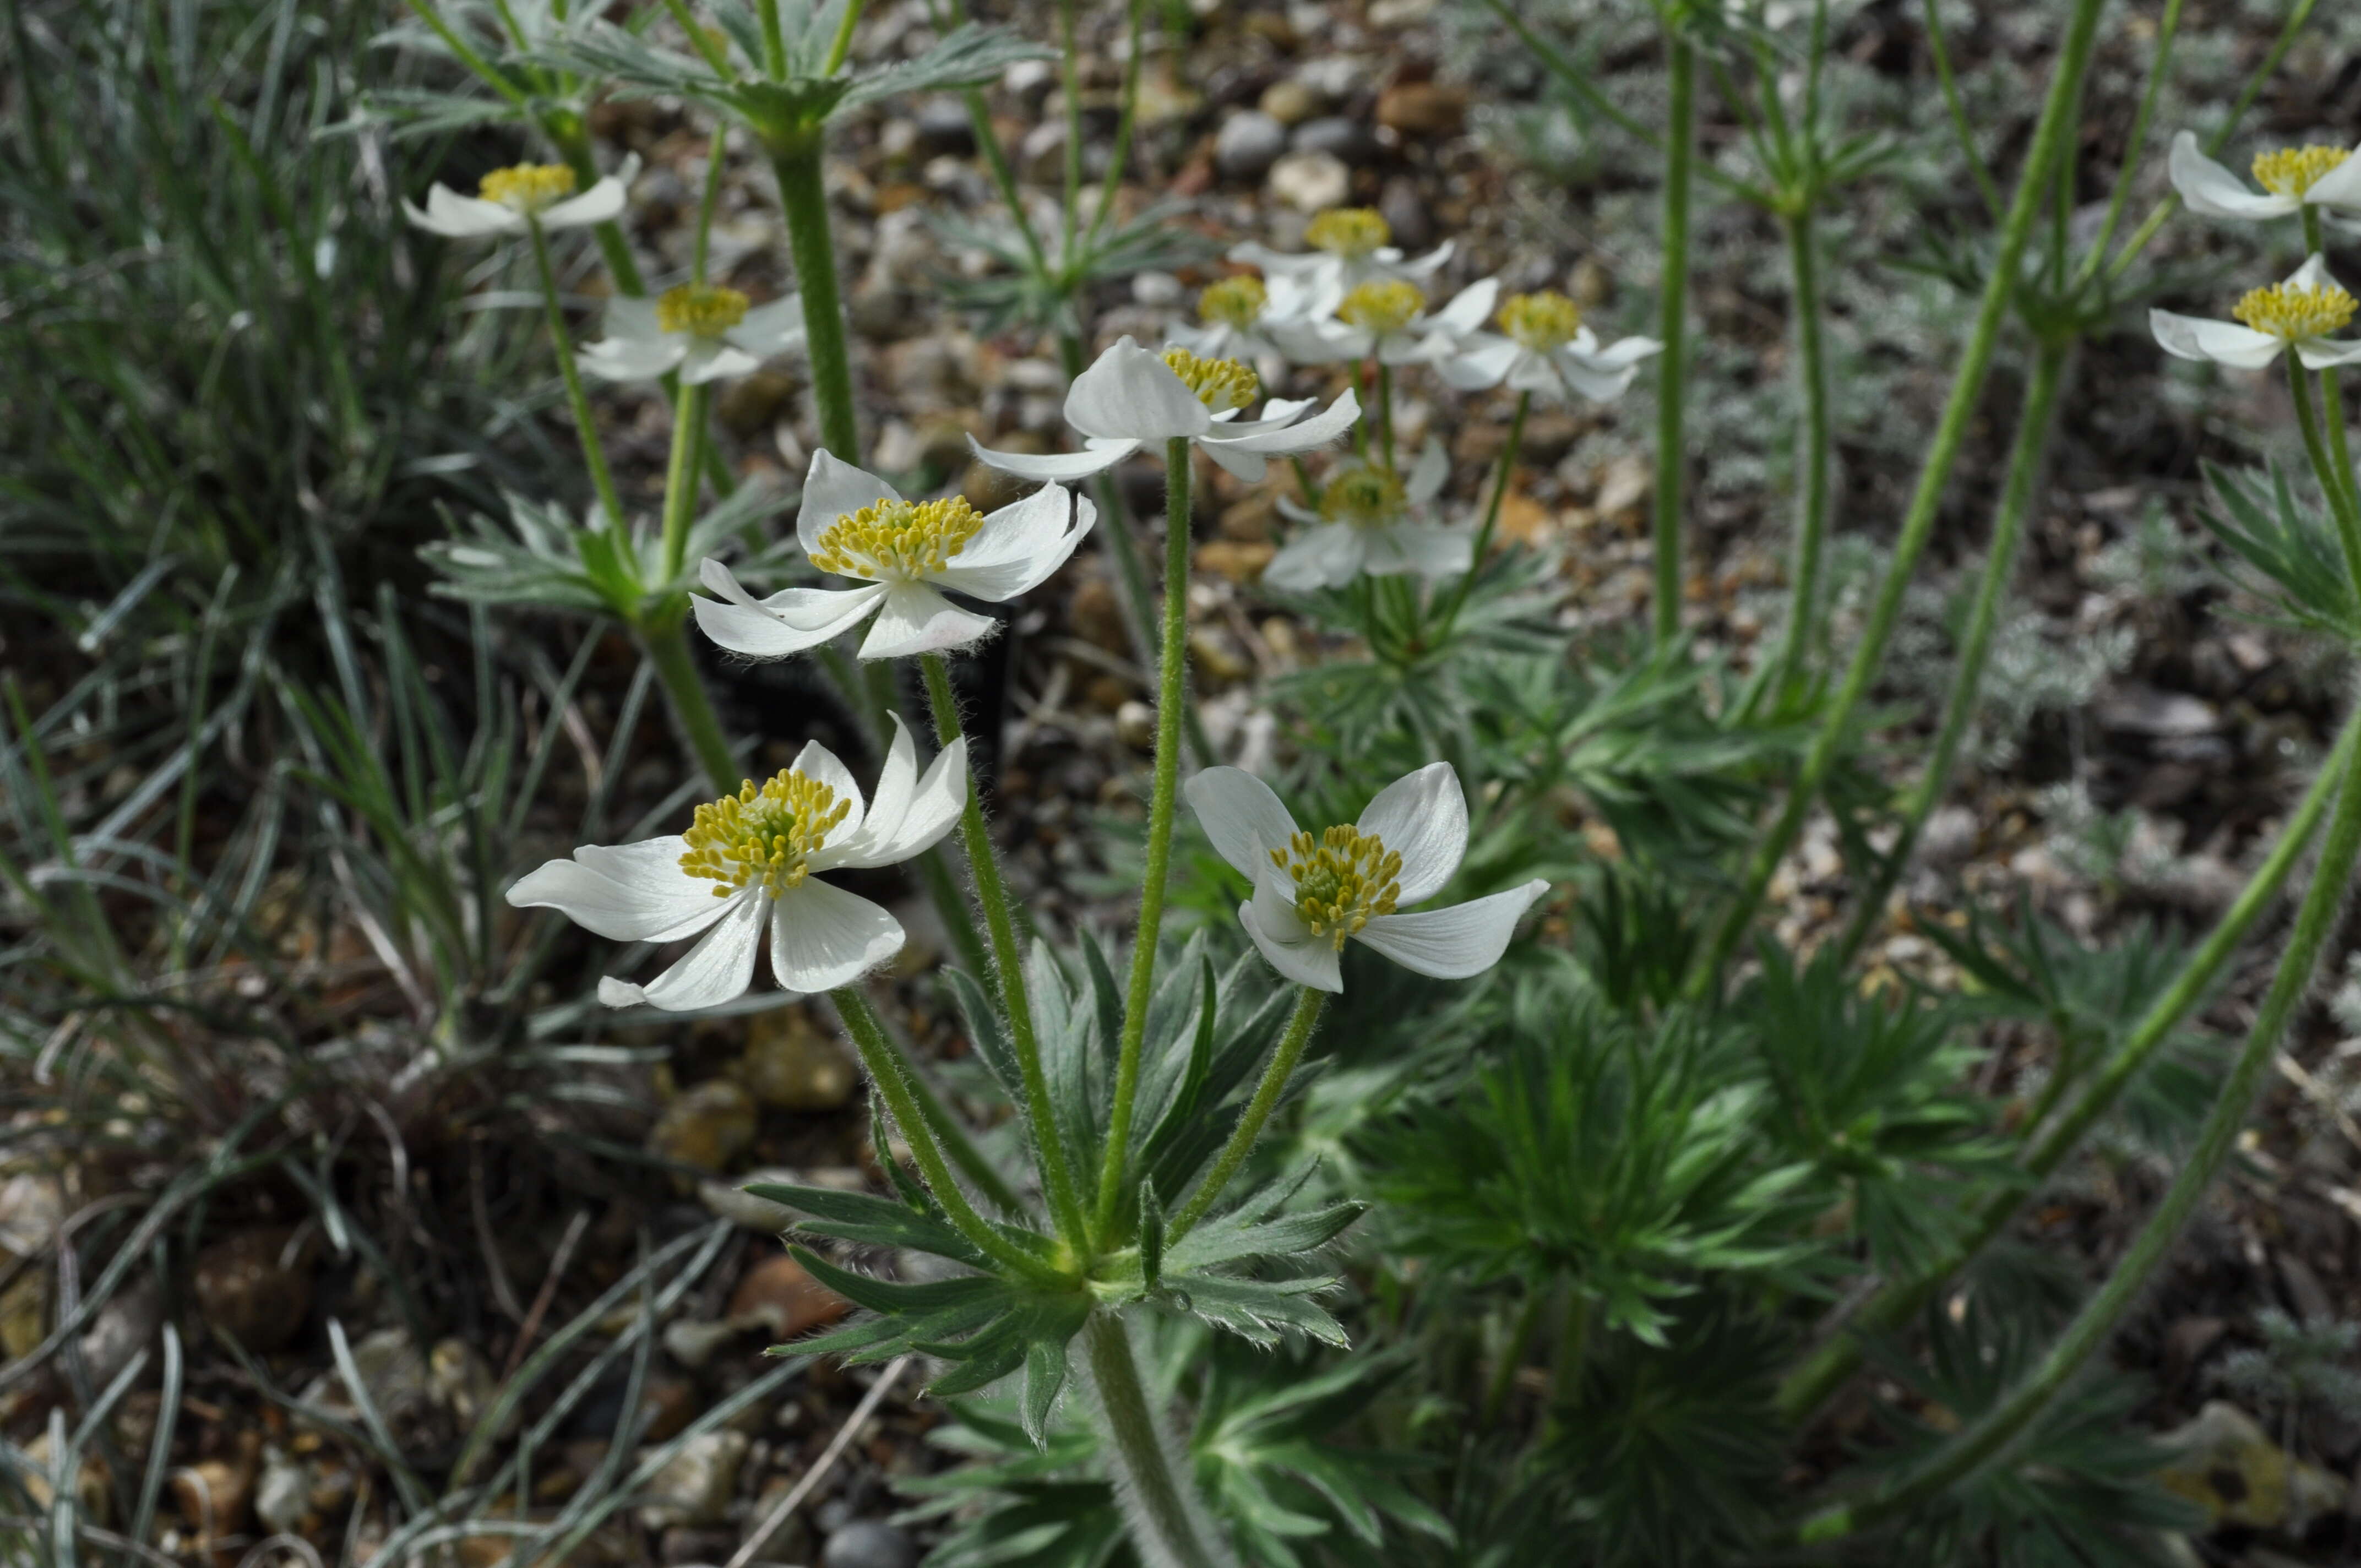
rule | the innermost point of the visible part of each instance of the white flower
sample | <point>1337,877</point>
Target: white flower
<point>856,525</point>
<point>1546,349</point>
<point>2292,178</point>
<point>1312,894</point>
<point>1350,245</point>
<point>1387,320</point>
<point>748,861</point>
<point>702,330</point>
<point>2301,311</point>
<point>1369,521</point>
<point>1131,398</point>
<point>509,199</point>
<point>1236,319</point>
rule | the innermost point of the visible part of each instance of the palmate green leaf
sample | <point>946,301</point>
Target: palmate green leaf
<point>1252,1234</point>
<point>969,55</point>
<point>543,557</point>
<point>987,1032</point>
<point>2291,545</point>
<point>1264,1312</point>
<point>872,1221</point>
<point>984,1327</point>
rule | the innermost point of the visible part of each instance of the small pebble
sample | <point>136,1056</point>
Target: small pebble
<point>866,1543</point>
<point>1336,136</point>
<point>1248,143</point>
<point>1310,181</point>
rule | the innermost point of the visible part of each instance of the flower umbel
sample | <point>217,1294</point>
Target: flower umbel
<point>2290,312</point>
<point>2293,170</point>
<point>764,833</point>
<point>1541,322</point>
<point>1222,385</point>
<point>1341,880</point>
<point>703,310</point>
<point>1350,232</point>
<point>528,187</point>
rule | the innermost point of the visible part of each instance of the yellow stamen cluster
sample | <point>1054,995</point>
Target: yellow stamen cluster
<point>2293,170</point>
<point>891,540</point>
<point>763,833</point>
<point>702,310</point>
<point>2291,314</point>
<point>1342,879</point>
<point>1388,305</point>
<point>528,187</point>
<point>1348,231</point>
<point>1233,301</point>
<point>1219,383</point>
<point>1362,496</point>
<point>1542,320</point>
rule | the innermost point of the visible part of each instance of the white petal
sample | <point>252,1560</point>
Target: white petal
<point>1468,308</point>
<point>1425,550</point>
<point>627,893</point>
<point>1131,394</point>
<point>818,763</point>
<point>835,489</point>
<point>634,358</point>
<point>915,619</point>
<point>1425,266</point>
<point>455,216</point>
<point>1328,556</point>
<point>1303,435</point>
<point>2320,353</point>
<point>1021,529</point>
<point>1277,415</point>
<point>822,937</point>
<point>1431,472</point>
<point>1455,943</point>
<point>1321,342</point>
<point>1054,465</point>
<point>1306,959</point>
<point>596,205</point>
<point>1483,361</point>
<point>634,316</point>
<point>2313,274</point>
<point>2341,186</point>
<point>719,969</point>
<point>1546,374</point>
<point>1247,466</point>
<point>1280,263</point>
<point>1241,815</point>
<point>771,329</point>
<point>787,623</point>
<point>1423,819</point>
<point>2225,342</point>
<point>2212,190</point>
<point>928,813</point>
<point>710,361</point>
<point>1021,574</point>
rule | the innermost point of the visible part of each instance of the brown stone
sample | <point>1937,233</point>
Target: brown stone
<point>255,1286</point>
<point>1095,612</point>
<point>778,1296</point>
<point>707,1127</point>
<point>790,1065</point>
<point>748,406</point>
<point>1248,521</point>
<point>1235,559</point>
<point>1424,108</point>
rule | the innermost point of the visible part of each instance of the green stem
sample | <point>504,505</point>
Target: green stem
<point>2049,138</point>
<point>1805,1388</point>
<point>1484,531</point>
<point>2159,64</point>
<point>774,43</point>
<point>1172,693</point>
<point>2315,921</point>
<point>665,639</point>
<point>573,147</point>
<point>2324,467</point>
<point>716,157</point>
<point>1160,1503</point>
<point>1512,1356</point>
<point>842,44</point>
<point>886,1072</point>
<point>1386,414</point>
<point>1126,122</point>
<point>1940,49</point>
<point>1070,55</point>
<point>2032,441</point>
<point>681,477</point>
<point>1814,442</point>
<point>796,162</point>
<point>1139,606</point>
<point>960,1146</point>
<point>991,897</point>
<point>602,479</point>
<point>1680,147</point>
<point>1308,1004</point>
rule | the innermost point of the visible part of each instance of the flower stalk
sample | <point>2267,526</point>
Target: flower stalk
<point>803,198</point>
<point>2335,477</point>
<point>1814,440</point>
<point>1309,1000</point>
<point>1167,1524</point>
<point>1680,148</point>
<point>594,453</point>
<point>664,639</point>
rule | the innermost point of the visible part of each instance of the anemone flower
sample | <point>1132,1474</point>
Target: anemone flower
<point>1387,320</point>
<point>1236,319</point>
<point>748,861</point>
<point>1542,346</point>
<point>1132,398</point>
<point>856,525</point>
<point>1350,245</point>
<point>704,331</point>
<point>1368,521</point>
<point>509,199</point>
<point>2299,314</point>
<point>2292,178</point>
<point>1313,894</point>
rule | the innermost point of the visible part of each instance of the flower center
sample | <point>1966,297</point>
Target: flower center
<point>1542,321</point>
<point>1342,879</point>
<point>1219,384</point>
<point>1233,301</point>
<point>762,834</point>
<point>1386,305</point>
<point>701,310</point>
<point>2293,170</point>
<point>528,187</point>
<point>1348,231</point>
<point>2289,313</point>
<point>898,538</point>
<point>1362,496</point>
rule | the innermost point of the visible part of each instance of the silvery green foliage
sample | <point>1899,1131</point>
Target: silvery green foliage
<point>2301,1368</point>
<point>544,557</point>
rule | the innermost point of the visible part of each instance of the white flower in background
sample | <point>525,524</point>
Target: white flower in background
<point>1542,346</point>
<point>1311,893</point>
<point>703,330</point>
<point>2299,312</point>
<point>856,525</point>
<point>1131,398</point>
<point>1350,245</point>
<point>1370,522</point>
<point>1387,320</point>
<point>748,862</point>
<point>509,199</point>
<point>1235,320</point>
<point>2292,178</point>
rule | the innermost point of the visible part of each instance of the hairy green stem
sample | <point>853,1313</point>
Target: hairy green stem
<point>2331,400</point>
<point>1299,1023</point>
<point>1671,383</point>
<point>1809,1384</point>
<point>961,1146</point>
<point>1153,1483</point>
<point>594,453</point>
<point>1814,440</point>
<point>2095,1325</point>
<point>1071,90</point>
<point>664,638</point>
<point>2159,64</point>
<point>1008,958</point>
<point>796,162</point>
<point>2049,138</point>
<point>574,148</point>
<point>681,477</point>
<point>2325,466</point>
<point>893,1080</point>
<point>1484,529</point>
<point>1172,693</point>
<point>2033,426</point>
<point>1386,415</point>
